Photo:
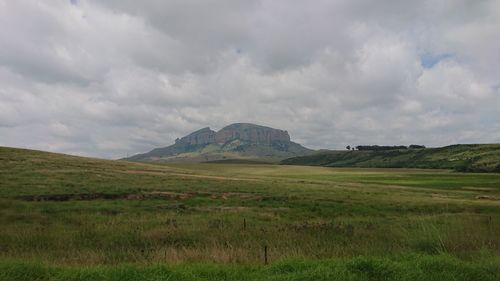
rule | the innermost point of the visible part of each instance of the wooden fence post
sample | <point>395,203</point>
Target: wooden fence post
<point>265,254</point>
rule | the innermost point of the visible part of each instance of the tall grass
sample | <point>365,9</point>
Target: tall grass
<point>51,233</point>
<point>113,213</point>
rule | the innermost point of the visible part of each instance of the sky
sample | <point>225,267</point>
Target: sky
<point>111,78</point>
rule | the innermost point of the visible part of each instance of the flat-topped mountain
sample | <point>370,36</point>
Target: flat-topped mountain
<point>236,141</point>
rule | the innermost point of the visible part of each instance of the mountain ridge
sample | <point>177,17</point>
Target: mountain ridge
<point>459,157</point>
<point>234,141</point>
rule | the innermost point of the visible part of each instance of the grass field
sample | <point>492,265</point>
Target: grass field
<point>71,218</point>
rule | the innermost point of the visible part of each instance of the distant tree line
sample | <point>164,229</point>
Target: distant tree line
<point>385,147</point>
<point>416,146</point>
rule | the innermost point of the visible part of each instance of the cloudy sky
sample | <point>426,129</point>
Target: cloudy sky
<point>108,78</point>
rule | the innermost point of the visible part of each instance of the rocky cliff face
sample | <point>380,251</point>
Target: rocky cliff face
<point>200,137</point>
<point>239,131</point>
<point>251,133</point>
<point>236,141</point>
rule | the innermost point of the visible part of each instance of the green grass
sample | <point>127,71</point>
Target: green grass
<point>71,217</point>
<point>409,267</point>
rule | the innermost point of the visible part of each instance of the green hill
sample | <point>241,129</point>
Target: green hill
<point>460,157</point>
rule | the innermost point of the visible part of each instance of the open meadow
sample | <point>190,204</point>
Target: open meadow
<point>72,218</point>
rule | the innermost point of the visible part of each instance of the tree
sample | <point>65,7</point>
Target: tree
<point>416,146</point>
<point>380,147</point>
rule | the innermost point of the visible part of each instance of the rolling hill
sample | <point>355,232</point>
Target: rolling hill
<point>236,141</point>
<point>460,157</point>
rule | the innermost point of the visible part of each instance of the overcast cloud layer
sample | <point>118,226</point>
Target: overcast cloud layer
<point>109,78</point>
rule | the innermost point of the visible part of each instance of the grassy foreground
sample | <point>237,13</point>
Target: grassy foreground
<point>72,218</point>
<point>410,268</point>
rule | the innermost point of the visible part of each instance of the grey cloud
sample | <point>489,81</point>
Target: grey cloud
<point>108,78</point>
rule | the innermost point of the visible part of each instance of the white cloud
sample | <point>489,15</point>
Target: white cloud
<point>107,78</point>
